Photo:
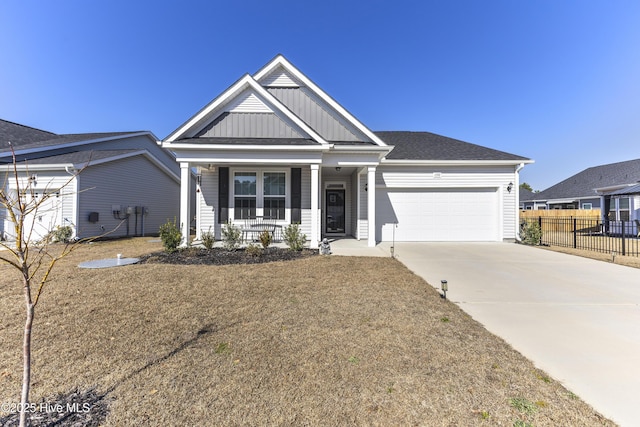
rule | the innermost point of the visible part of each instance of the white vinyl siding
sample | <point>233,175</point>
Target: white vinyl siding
<point>58,210</point>
<point>474,184</point>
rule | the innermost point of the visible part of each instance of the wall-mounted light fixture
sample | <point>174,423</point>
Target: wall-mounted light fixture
<point>510,187</point>
<point>366,186</point>
<point>199,179</point>
<point>338,168</point>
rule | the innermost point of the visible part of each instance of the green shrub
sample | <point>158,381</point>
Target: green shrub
<point>265,238</point>
<point>254,250</point>
<point>208,238</point>
<point>294,238</point>
<point>170,235</point>
<point>530,233</point>
<point>231,236</point>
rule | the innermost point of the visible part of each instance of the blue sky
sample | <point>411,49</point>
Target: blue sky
<point>554,80</point>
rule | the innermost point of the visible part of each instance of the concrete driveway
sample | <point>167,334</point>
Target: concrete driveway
<point>575,318</point>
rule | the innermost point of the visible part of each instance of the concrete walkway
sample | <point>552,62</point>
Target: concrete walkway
<point>577,319</point>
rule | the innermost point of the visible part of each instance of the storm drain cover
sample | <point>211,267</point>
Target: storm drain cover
<point>109,262</point>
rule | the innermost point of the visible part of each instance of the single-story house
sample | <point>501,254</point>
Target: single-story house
<point>592,188</point>
<point>125,179</point>
<point>274,145</point>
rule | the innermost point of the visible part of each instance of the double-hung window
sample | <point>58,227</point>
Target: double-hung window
<point>244,190</point>
<point>274,192</point>
<point>260,193</point>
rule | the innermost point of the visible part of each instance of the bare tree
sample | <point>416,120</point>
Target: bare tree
<point>33,256</point>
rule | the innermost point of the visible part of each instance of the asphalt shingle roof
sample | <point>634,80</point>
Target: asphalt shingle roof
<point>430,146</point>
<point>582,184</point>
<point>79,157</point>
<point>24,137</point>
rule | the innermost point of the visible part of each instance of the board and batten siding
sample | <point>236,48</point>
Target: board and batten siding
<point>458,177</point>
<point>312,110</point>
<point>133,181</point>
<point>249,125</point>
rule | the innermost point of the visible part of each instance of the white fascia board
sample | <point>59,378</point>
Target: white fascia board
<point>201,115</point>
<point>32,168</point>
<point>250,161</point>
<point>603,190</point>
<point>245,82</point>
<point>176,148</point>
<point>359,149</point>
<point>78,143</point>
<point>566,200</point>
<point>280,60</point>
<point>453,162</point>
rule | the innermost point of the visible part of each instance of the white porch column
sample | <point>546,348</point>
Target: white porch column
<point>371,204</point>
<point>185,206</point>
<point>315,214</point>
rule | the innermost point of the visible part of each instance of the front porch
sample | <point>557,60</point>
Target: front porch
<point>327,201</point>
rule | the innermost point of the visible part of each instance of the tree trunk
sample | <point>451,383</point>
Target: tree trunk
<point>26,369</point>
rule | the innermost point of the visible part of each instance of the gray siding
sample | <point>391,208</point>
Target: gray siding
<point>134,181</point>
<point>313,112</point>
<point>249,125</point>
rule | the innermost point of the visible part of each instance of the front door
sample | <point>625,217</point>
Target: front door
<point>334,212</point>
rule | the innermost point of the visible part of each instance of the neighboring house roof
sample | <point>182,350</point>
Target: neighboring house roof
<point>583,184</point>
<point>78,157</point>
<point>430,146</point>
<point>525,195</point>
<point>19,134</point>
<point>634,189</point>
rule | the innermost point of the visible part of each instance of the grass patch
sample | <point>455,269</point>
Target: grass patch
<point>149,337</point>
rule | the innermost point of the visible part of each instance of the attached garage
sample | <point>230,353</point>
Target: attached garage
<point>438,214</point>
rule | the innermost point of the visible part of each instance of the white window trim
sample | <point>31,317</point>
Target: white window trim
<point>587,206</point>
<point>259,171</point>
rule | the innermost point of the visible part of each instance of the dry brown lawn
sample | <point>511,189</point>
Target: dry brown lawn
<point>318,341</point>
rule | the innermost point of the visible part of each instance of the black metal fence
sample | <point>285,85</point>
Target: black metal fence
<point>619,237</point>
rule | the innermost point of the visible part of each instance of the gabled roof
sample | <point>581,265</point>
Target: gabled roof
<point>430,146</point>
<point>259,94</point>
<point>583,184</point>
<point>27,140</point>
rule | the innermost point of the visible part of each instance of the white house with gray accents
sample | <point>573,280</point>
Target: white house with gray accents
<point>274,145</point>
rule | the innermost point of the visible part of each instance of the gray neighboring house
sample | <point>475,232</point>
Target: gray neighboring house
<point>275,145</point>
<point>126,177</point>
<point>612,188</point>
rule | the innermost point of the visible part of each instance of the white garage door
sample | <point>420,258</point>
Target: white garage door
<point>433,215</point>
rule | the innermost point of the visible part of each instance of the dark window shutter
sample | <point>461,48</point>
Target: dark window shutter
<point>223,195</point>
<point>296,195</point>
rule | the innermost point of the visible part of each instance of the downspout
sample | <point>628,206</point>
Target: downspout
<point>517,190</point>
<point>71,170</point>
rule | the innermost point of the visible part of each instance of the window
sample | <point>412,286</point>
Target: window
<point>260,193</point>
<point>274,186</point>
<point>244,190</point>
<point>587,206</point>
<point>623,209</point>
<point>619,209</point>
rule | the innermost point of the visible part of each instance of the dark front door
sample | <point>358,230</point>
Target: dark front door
<point>334,220</point>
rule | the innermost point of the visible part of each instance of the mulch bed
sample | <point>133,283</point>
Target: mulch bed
<point>221,256</point>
